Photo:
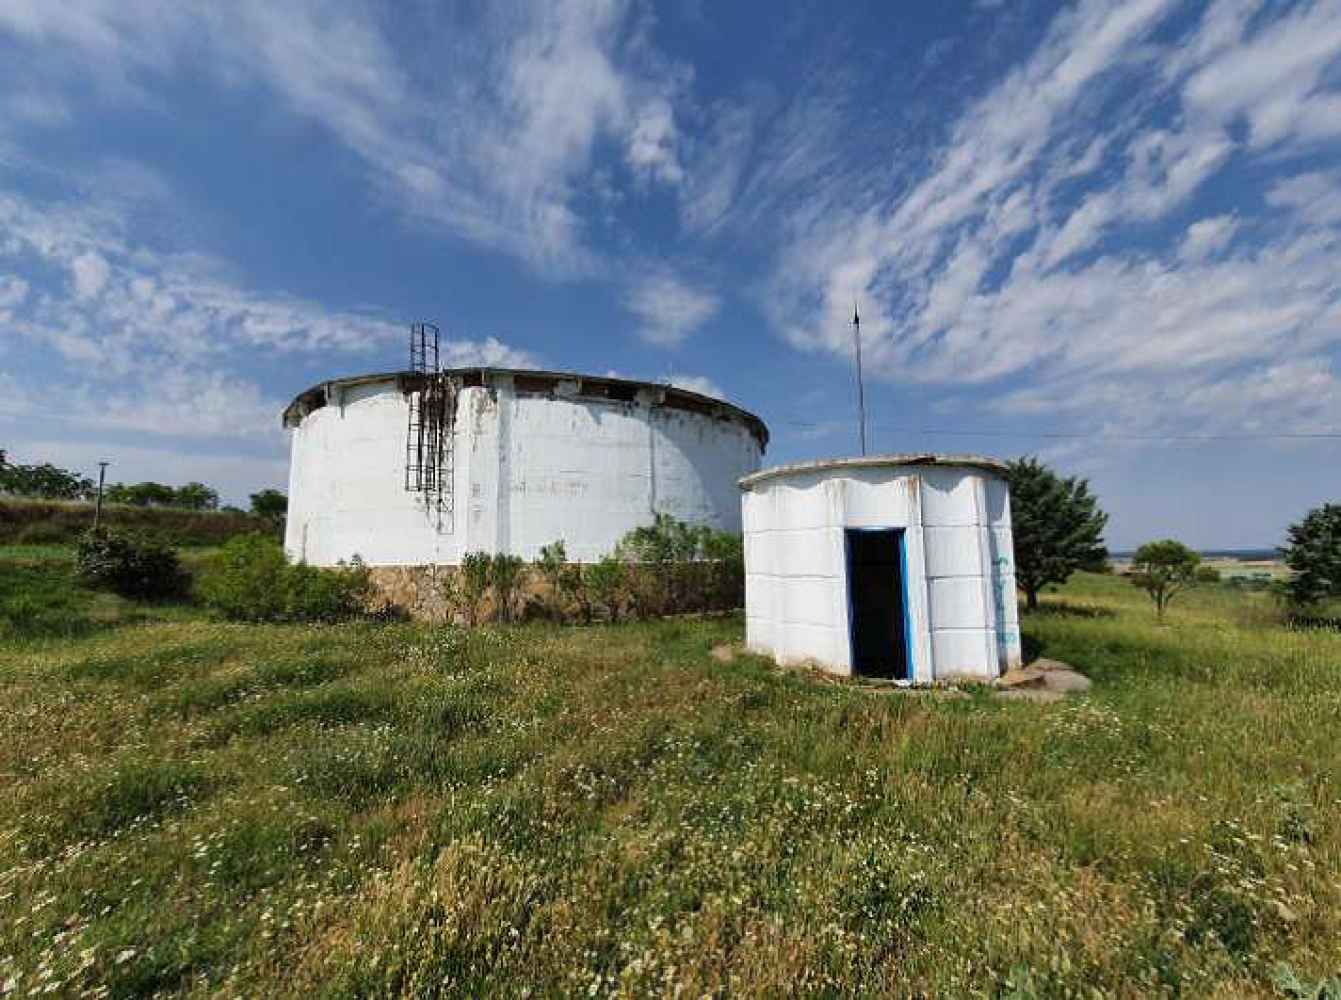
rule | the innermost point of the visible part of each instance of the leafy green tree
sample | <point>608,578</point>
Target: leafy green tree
<point>196,496</point>
<point>1314,555</point>
<point>1057,525</point>
<point>44,482</point>
<point>1163,569</point>
<point>270,504</point>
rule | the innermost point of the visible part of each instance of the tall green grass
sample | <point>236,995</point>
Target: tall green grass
<point>196,808</point>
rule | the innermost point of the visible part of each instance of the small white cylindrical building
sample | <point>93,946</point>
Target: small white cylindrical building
<point>407,469</point>
<point>898,566</point>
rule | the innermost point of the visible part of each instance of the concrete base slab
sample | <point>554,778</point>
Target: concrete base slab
<point>1042,677</point>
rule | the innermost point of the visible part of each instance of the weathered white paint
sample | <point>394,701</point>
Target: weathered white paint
<point>960,581</point>
<point>530,468</point>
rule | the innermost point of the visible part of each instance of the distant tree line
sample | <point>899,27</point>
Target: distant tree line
<point>1058,529</point>
<point>45,481</point>
<point>49,482</point>
<point>192,496</point>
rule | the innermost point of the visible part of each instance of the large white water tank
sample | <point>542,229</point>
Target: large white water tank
<point>533,457</point>
<point>899,566</point>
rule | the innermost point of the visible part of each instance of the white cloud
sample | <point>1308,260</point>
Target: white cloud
<point>668,309</point>
<point>700,384</point>
<point>1207,237</point>
<point>1013,257</point>
<point>153,342</point>
<point>1315,197</point>
<point>129,301</point>
<point>1274,78</point>
<point>90,273</point>
<point>12,291</point>
<point>651,144</point>
<point>488,353</point>
<point>487,129</point>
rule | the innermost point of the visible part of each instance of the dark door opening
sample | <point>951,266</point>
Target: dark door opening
<point>878,625</point>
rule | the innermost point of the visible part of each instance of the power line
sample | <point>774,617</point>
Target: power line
<point>1095,436</point>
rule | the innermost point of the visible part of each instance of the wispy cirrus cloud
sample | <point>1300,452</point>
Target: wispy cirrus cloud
<point>498,150</point>
<point>159,344</point>
<point>1033,248</point>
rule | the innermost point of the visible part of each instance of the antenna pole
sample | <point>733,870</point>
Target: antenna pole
<point>861,389</point>
<point>102,476</point>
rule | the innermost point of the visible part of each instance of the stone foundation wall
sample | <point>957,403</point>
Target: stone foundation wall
<point>423,592</point>
<point>429,594</point>
<point>418,590</point>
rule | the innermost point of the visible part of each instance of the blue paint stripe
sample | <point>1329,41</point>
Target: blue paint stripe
<point>909,672</point>
<point>847,582</point>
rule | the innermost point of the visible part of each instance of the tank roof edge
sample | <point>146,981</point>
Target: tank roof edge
<point>293,414</point>
<point>986,463</point>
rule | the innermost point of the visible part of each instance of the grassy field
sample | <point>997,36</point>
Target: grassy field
<point>30,523</point>
<point>196,808</point>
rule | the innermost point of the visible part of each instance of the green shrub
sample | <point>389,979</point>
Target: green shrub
<point>130,565</point>
<point>506,575</point>
<point>318,594</point>
<point>552,565</point>
<point>725,554</point>
<point>1207,574</point>
<point>662,552</point>
<point>476,569</point>
<point>246,579</point>
<point>39,613</point>
<point>605,582</point>
<point>675,567</point>
<point>250,579</point>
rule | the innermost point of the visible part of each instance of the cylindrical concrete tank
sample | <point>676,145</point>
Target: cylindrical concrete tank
<point>900,566</point>
<point>529,458</point>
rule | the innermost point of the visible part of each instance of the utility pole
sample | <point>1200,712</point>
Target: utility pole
<point>102,476</point>
<point>861,389</point>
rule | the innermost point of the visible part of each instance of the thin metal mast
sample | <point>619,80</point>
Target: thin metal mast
<point>861,389</point>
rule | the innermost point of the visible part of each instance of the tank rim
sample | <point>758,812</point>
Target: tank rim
<point>315,396</point>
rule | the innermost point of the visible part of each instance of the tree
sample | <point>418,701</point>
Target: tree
<point>147,494</point>
<point>196,496</point>
<point>1314,556</point>
<point>1057,525</point>
<point>1162,569</point>
<point>45,481</point>
<point>270,504</point>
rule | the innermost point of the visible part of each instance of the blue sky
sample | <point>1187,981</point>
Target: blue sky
<point>1103,232</point>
